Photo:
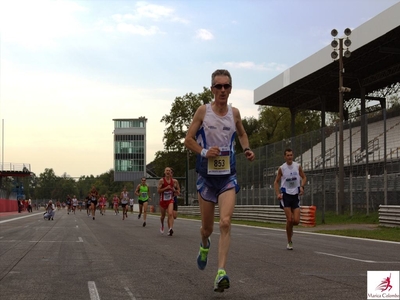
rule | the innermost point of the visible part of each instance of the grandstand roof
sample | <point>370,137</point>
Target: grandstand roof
<point>374,63</point>
<point>14,173</point>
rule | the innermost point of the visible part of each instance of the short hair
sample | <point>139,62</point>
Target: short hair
<point>220,72</point>
<point>287,150</point>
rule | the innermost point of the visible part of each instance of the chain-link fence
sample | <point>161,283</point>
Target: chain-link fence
<point>371,159</point>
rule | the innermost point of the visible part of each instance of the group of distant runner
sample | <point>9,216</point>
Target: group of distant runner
<point>168,188</point>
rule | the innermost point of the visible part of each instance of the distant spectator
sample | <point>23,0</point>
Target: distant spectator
<point>50,211</point>
<point>29,205</point>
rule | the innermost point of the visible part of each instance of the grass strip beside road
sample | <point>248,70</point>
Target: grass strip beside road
<point>379,233</point>
<point>330,218</point>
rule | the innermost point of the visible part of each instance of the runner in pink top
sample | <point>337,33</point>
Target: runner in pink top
<point>102,203</point>
<point>166,191</point>
<point>116,204</point>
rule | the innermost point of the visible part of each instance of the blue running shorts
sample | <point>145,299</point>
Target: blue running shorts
<point>210,188</point>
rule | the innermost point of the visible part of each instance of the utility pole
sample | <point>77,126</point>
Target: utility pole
<point>342,90</point>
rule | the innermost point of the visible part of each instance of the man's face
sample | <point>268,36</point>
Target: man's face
<point>218,89</point>
<point>289,157</point>
<point>167,172</point>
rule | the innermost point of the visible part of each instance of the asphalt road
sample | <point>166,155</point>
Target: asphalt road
<point>75,257</point>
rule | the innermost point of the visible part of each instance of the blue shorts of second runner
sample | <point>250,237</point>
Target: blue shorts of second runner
<point>291,201</point>
<point>210,188</point>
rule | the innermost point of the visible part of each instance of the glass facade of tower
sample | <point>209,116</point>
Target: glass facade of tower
<point>129,149</point>
<point>129,152</point>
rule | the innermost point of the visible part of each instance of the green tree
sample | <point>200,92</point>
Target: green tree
<point>181,114</point>
<point>274,124</point>
<point>46,184</point>
<point>177,123</point>
<point>84,184</point>
<point>175,160</point>
<point>252,127</point>
<point>65,186</point>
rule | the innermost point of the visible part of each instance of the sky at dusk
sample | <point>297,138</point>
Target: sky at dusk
<point>67,68</point>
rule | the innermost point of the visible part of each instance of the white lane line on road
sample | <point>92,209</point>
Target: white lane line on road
<point>80,240</point>
<point>129,293</point>
<point>17,218</point>
<point>94,295</point>
<point>345,237</point>
<point>361,260</point>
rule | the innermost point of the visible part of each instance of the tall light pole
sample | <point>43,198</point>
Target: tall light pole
<point>338,47</point>
<point>2,144</point>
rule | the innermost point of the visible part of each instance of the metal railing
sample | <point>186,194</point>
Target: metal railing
<point>259,213</point>
<point>389,215</point>
<point>8,166</point>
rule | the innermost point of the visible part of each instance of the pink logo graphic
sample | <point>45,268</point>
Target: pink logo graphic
<point>385,284</point>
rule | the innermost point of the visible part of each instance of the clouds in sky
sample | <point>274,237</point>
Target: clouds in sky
<point>204,34</point>
<point>143,13</point>
<point>69,67</point>
<point>38,24</point>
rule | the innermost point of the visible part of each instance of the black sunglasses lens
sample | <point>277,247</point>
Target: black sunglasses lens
<point>219,86</point>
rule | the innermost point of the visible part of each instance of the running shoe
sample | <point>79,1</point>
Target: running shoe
<point>170,232</point>
<point>144,224</point>
<point>139,215</point>
<point>221,281</point>
<point>290,246</point>
<point>162,229</point>
<point>202,257</point>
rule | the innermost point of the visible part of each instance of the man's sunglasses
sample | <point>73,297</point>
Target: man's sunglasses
<point>220,86</point>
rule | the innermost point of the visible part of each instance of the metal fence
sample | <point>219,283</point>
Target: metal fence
<point>371,146</point>
<point>8,166</point>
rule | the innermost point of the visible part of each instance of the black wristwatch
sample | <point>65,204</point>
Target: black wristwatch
<point>245,149</point>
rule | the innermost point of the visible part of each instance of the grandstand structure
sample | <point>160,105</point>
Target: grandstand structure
<point>371,145</point>
<point>8,199</point>
<point>380,135</point>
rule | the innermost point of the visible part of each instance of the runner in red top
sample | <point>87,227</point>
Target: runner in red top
<point>102,203</point>
<point>166,191</point>
<point>116,204</point>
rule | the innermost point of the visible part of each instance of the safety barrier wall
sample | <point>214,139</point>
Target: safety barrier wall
<point>389,215</point>
<point>7,205</point>
<point>260,213</point>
